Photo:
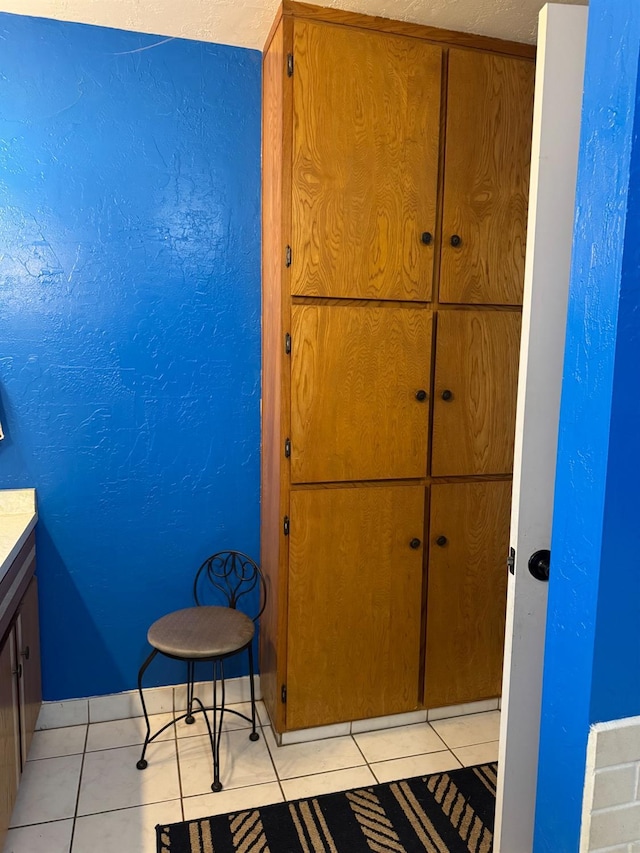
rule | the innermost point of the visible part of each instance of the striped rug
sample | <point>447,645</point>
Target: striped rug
<point>443,813</point>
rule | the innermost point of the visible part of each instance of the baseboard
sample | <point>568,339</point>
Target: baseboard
<point>121,706</point>
<point>393,720</point>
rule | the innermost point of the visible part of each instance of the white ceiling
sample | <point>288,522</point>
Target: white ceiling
<point>245,23</point>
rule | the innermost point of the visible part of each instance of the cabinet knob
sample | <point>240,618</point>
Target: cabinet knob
<point>456,240</point>
<point>421,395</point>
<point>441,541</point>
<point>415,544</point>
<point>447,395</point>
<point>426,237</point>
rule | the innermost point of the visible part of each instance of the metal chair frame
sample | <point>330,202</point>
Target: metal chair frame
<point>234,575</point>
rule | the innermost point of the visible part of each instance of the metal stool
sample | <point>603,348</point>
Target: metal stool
<point>209,633</point>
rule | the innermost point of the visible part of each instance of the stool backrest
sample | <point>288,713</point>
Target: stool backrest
<point>234,575</point>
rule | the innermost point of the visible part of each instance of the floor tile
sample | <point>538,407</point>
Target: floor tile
<point>53,743</point>
<point>111,780</point>
<point>41,838</point>
<point>56,715</point>
<point>302,759</point>
<point>121,706</point>
<point>328,783</point>
<point>399,743</point>
<point>48,790</point>
<point>416,765</point>
<point>129,830</point>
<point>242,762</point>
<point>129,732</point>
<point>316,733</point>
<point>480,753</point>
<point>466,731</point>
<point>231,800</point>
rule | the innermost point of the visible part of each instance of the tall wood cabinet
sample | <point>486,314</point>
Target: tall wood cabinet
<point>395,178</point>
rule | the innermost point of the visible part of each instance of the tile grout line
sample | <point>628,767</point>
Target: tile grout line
<point>75,813</point>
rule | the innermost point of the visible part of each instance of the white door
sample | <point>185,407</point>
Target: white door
<point>554,157</point>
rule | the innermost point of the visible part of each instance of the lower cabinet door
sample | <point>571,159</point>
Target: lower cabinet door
<point>9,732</point>
<point>28,639</point>
<point>354,603</point>
<point>467,587</point>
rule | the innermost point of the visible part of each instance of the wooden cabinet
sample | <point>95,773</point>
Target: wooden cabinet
<point>20,690</point>
<point>466,594</point>
<point>486,182</point>
<point>354,614</point>
<point>349,363</point>
<point>381,142</point>
<point>366,127</point>
<point>476,377</point>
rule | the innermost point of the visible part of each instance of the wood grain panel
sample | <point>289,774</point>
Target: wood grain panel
<point>354,603</point>
<point>406,28</point>
<point>9,733</point>
<point>355,371</point>
<point>365,163</point>
<point>276,141</point>
<point>28,654</point>
<point>487,161</point>
<point>467,587</point>
<point>477,356</point>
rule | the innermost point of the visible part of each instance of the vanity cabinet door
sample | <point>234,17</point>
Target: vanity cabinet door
<point>28,653</point>
<point>9,731</point>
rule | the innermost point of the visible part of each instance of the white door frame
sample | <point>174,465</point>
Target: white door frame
<point>554,162</point>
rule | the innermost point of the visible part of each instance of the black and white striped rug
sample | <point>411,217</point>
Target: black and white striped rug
<point>444,813</point>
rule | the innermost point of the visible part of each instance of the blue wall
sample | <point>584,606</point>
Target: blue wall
<point>129,326</point>
<point>592,654</point>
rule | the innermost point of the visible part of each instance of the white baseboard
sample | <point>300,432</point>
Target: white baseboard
<point>121,706</point>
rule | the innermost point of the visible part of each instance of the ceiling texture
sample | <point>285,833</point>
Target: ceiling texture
<point>245,23</point>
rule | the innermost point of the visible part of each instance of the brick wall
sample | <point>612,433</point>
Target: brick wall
<point>611,806</point>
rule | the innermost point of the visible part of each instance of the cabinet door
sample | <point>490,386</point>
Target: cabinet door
<point>467,587</point>
<point>365,163</point>
<point>355,589</point>
<point>474,396</point>
<point>9,732</point>
<point>360,380</point>
<point>486,187</point>
<point>28,638</point>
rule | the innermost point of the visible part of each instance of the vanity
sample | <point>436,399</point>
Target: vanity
<point>20,683</point>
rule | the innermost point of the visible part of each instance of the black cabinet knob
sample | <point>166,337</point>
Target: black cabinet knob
<point>456,240</point>
<point>447,395</point>
<point>421,396</point>
<point>415,544</point>
<point>441,541</point>
<point>426,237</point>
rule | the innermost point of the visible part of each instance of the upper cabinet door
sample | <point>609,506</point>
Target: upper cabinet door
<point>487,160</point>
<point>474,403</point>
<point>360,378</point>
<point>365,163</point>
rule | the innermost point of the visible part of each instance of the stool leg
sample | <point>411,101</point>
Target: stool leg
<point>191,674</point>
<point>142,762</point>
<point>254,734</point>
<point>217,726</point>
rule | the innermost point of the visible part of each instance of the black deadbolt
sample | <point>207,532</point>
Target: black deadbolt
<point>447,395</point>
<point>441,541</point>
<point>415,544</point>
<point>456,239</point>
<point>421,395</point>
<point>539,565</point>
<point>426,237</point>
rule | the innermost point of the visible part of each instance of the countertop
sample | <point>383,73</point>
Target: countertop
<point>18,516</point>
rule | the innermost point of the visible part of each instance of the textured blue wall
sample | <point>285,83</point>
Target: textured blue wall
<point>592,654</point>
<point>129,326</point>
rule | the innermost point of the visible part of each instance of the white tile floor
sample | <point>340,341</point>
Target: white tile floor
<point>81,791</point>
